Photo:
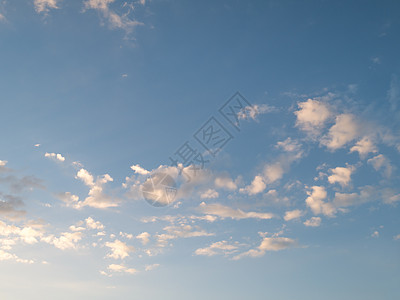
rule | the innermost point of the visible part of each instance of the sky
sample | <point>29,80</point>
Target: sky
<point>159,149</point>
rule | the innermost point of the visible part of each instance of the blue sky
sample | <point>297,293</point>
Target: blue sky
<point>301,199</point>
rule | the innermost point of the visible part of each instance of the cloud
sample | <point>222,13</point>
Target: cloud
<point>96,198</point>
<point>92,224</point>
<point>257,186</point>
<point>209,194</point>
<point>222,247</point>
<point>56,156</point>
<point>144,237</point>
<point>293,214</point>
<point>345,130</point>
<point>312,115</point>
<point>364,147</point>
<point>275,243</point>
<point>397,237</point>
<point>225,183</point>
<point>115,20</point>
<point>341,175</point>
<point>119,249</point>
<point>10,256</point>
<point>228,212</point>
<point>9,207</point>
<point>139,170</point>
<point>380,162</point>
<point>251,112</point>
<point>45,5</point>
<point>121,269</point>
<point>313,222</point>
<point>151,267</point>
<point>67,240</point>
<point>289,145</point>
<point>375,234</point>
<point>315,202</point>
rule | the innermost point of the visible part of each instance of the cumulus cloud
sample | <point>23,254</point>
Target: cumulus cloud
<point>92,224</point>
<point>44,6</point>
<point>225,183</point>
<point>119,249</point>
<point>289,145</point>
<point>56,156</point>
<point>313,222</point>
<point>312,116</point>
<point>315,202</point>
<point>257,186</point>
<point>345,130</point>
<point>293,214</point>
<point>96,197</point>
<point>228,212</point>
<point>221,247</point>
<point>144,237</point>
<point>341,175</point>
<point>11,256</point>
<point>120,269</point>
<point>139,170</point>
<point>67,240</point>
<point>364,147</point>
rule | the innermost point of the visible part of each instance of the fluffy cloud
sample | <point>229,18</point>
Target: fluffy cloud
<point>119,249</point>
<point>312,115</point>
<point>45,5</point>
<point>67,240</point>
<point>313,222</point>
<point>92,224</point>
<point>144,237</point>
<point>96,197</point>
<point>139,170</point>
<point>315,202</point>
<point>10,256</point>
<point>121,269</point>
<point>257,186</point>
<point>364,147</point>
<point>225,183</point>
<point>341,175</point>
<point>228,212</point>
<point>345,130</point>
<point>293,214</point>
<point>56,156</point>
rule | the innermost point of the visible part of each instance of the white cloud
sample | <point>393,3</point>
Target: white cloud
<point>375,234</point>
<point>275,243</point>
<point>119,249</point>
<point>115,20</point>
<point>257,186</point>
<point>345,130</point>
<point>56,156</point>
<point>364,147</point>
<point>315,202</point>
<point>341,175</point>
<point>273,172</point>
<point>139,170</point>
<point>251,112</point>
<point>225,183</point>
<point>222,247</point>
<point>67,240</point>
<point>228,212</point>
<point>96,198</point>
<point>293,214</point>
<point>144,237</point>
<point>289,145</point>
<point>209,194</point>
<point>10,256</point>
<point>121,269</point>
<point>312,115</point>
<point>45,5</point>
<point>313,222</point>
<point>70,200</point>
<point>92,224</point>
<point>380,162</point>
<point>397,237</point>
